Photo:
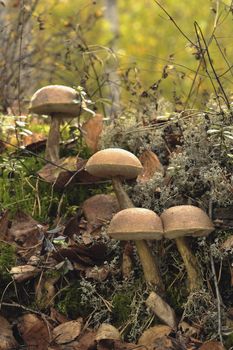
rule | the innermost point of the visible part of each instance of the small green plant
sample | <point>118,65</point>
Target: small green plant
<point>7,260</point>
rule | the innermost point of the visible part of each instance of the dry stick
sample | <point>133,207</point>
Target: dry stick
<point>219,299</point>
<point>203,51</point>
<point>224,57</point>
<point>212,66</point>
<point>148,261</point>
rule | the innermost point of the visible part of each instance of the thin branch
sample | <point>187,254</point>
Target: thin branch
<point>175,24</point>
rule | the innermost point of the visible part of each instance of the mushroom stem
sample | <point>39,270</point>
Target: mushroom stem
<point>193,272</point>
<point>148,261</point>
<point>149,265</point>
<point>52,145</point>
<point>122,197</point>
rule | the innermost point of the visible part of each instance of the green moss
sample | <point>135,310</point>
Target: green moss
<point>7,260</point>
<point>121,307</point>
<point>70,302</point>
<point>228,342</point>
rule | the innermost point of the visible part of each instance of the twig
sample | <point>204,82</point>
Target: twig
<point>175,24</point>
<point>218,296</point>
<point>16,305</point>
<point>212,66</point>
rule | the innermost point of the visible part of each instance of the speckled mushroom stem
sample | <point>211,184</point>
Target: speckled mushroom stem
<point>122,197</point>
<point>148,261</point>
<point>52,145</point>
<point>193,272</point>
<point>150,266</point>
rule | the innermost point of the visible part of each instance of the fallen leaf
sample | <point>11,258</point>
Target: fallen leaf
<point>228,243</point>
<point>92,130</point>
<point>57,316</point>
<point>26,231</point>
<point>67,332</point>
<point>35,146</point>
<point>84,342</point>
<point>116,345</point>
<point>161,309</point>
<point>7,340</point>
<point>107,331</point>
<point>149,337</point>
<point>34,332</point>
<point>151,164</point>
<point>187,330</point>
<point>45,291</point>
<point>79,253</point>
<point>72,226</point>
<point>100,208</point>
<point>59,175</point>
<point>212,345</point>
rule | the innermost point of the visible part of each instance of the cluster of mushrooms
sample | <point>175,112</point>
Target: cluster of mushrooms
<point>140,225</point>
<point>136,224</point>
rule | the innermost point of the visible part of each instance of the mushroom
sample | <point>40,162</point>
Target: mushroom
<point>139,224</point>
<point>117,164</point>
<point>187,220</point>
<point>59,102</point>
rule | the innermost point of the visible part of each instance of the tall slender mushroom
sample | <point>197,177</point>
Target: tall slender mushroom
<point>187,220</point>
<point>59,102</point>
<point>139,224</point>
<point>118,164</point>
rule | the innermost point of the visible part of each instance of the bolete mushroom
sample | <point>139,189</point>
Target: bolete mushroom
<point>118,164</point>
<point>187,220</point>
<point>138,224</point>
<point>59,102</point>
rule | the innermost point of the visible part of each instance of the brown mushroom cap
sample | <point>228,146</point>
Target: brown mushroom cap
<point>55,99</point>
<point>186,220</point>
<point>135,224</point>
<point>112,162</point>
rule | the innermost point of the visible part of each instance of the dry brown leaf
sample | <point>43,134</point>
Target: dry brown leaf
<point>212,345</point>
<point>85,341</point>
<point>57,316</point>
<point>187,330</point>
<point>26,231</point>
<point>24,272</point>
<point>161,309</point>
<point>79,253</point>
<point>92,130</point>
<point>151,165</point>
<point>34,332</point>
<point>7,340</point>
<point>107,331</point>
<point>67,332</point>
<point>100,208</point>
<point>116,345</point>
<point>58,176</point>
<point>45,291</point>
<point>149,337</point>
<point>228,243</point>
